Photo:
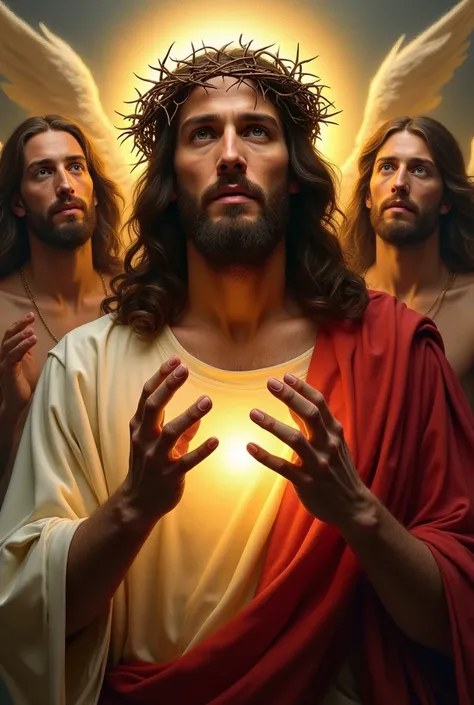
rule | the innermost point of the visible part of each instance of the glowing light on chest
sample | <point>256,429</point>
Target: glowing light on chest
<point>235,430</point>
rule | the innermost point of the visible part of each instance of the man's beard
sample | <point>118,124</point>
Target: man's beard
<point>234,241</point>
<point>403,233</point>
<point>70,235</point>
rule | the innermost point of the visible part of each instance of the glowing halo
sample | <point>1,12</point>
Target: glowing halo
<point>149,36</point>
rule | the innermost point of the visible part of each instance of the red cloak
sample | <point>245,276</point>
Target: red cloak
<point>411,434</point>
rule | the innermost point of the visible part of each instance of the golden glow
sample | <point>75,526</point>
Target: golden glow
<point>234,429</point>
<point>148,36</point>
<point>237,458</point>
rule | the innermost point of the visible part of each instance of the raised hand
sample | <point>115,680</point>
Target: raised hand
<point>322,473</point>
<point>159,459</point>
<point>17,365</point>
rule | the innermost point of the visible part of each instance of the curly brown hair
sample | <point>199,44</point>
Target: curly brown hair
<point>152,290</point>
<point>456,240</point>
<point>14,243</point>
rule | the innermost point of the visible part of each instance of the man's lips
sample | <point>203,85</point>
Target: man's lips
<point>234,198</point>
<point>233,194</point>
<point>399,206</point>
<point>68,208</point>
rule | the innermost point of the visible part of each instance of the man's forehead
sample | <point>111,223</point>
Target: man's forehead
<point>405,145</point>
<point>226,96</point>
<point>52,144</point>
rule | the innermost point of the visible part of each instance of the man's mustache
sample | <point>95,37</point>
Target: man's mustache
<point>236,180</point>
<point>71,202</point>
<point>402,202</point>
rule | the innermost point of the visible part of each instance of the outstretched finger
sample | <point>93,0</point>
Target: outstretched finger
<point>9,345</point>
<point>154,407</point>
<point>18,353</point>
<point>283,467</point>
<point>154,382</point>
<point>302,405</point>
<point>316,398</point>
<point>18,326</point>
<point>190,460</point>
<point>181,426</point>
<point>294,438</point>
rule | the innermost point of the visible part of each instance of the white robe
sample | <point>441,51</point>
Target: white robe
<point>201,563</point>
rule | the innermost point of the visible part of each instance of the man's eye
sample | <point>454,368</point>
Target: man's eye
<point>77,167</point>
<point>202,134</point>
<point>257,131</point>
<point>386,167</point>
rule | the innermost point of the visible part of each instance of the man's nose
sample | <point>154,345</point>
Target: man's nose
<point>400,181</point>
<point>64,185</point>
<point>232,159</point>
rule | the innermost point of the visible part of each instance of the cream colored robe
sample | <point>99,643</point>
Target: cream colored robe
<point>201,563</point>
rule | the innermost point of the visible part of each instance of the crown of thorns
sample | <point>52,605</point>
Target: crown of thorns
<point>299,93</point>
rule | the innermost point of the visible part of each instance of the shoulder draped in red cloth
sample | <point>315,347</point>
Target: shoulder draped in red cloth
<point>411,434</point>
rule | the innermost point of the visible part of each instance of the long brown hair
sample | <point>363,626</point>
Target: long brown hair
<point>456,226</point>
<point>152,290</point>
<point>14,244</point>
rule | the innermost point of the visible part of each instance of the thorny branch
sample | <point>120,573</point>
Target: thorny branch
<point>283,80</point>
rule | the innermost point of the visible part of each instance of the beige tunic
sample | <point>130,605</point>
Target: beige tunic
<point>201,563</point>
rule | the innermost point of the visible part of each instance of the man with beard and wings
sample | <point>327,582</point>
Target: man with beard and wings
<point>59,247</point>
<point>430,59</point>
<point>409,229</point>
<point>45,75</point>
<point>250,482</point>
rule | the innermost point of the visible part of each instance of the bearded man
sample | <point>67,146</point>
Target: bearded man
<point>160,551</point>
<point>409,229</point>
<point>59,246</point>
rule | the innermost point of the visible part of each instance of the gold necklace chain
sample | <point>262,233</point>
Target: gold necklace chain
<point>29,293</point>
<point>448,284</point>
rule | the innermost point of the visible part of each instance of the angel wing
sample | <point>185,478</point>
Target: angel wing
<point>45,75</point>
<point>409,79</point>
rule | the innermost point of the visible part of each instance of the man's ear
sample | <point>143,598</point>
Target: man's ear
<point>444,208</point>
<point>368,201</point>
<point>18,206</point>
<point>294,187</point>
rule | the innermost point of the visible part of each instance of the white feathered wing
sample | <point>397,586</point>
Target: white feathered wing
<point>45,75</point>
<point>409,80</point>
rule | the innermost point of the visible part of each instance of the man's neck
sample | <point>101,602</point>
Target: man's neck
<point>66,276</point>
<point>237,303</point>
<point>405,272</point>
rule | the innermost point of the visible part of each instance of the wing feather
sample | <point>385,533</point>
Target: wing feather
<point>45,75</point>
<point>410,79</point>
